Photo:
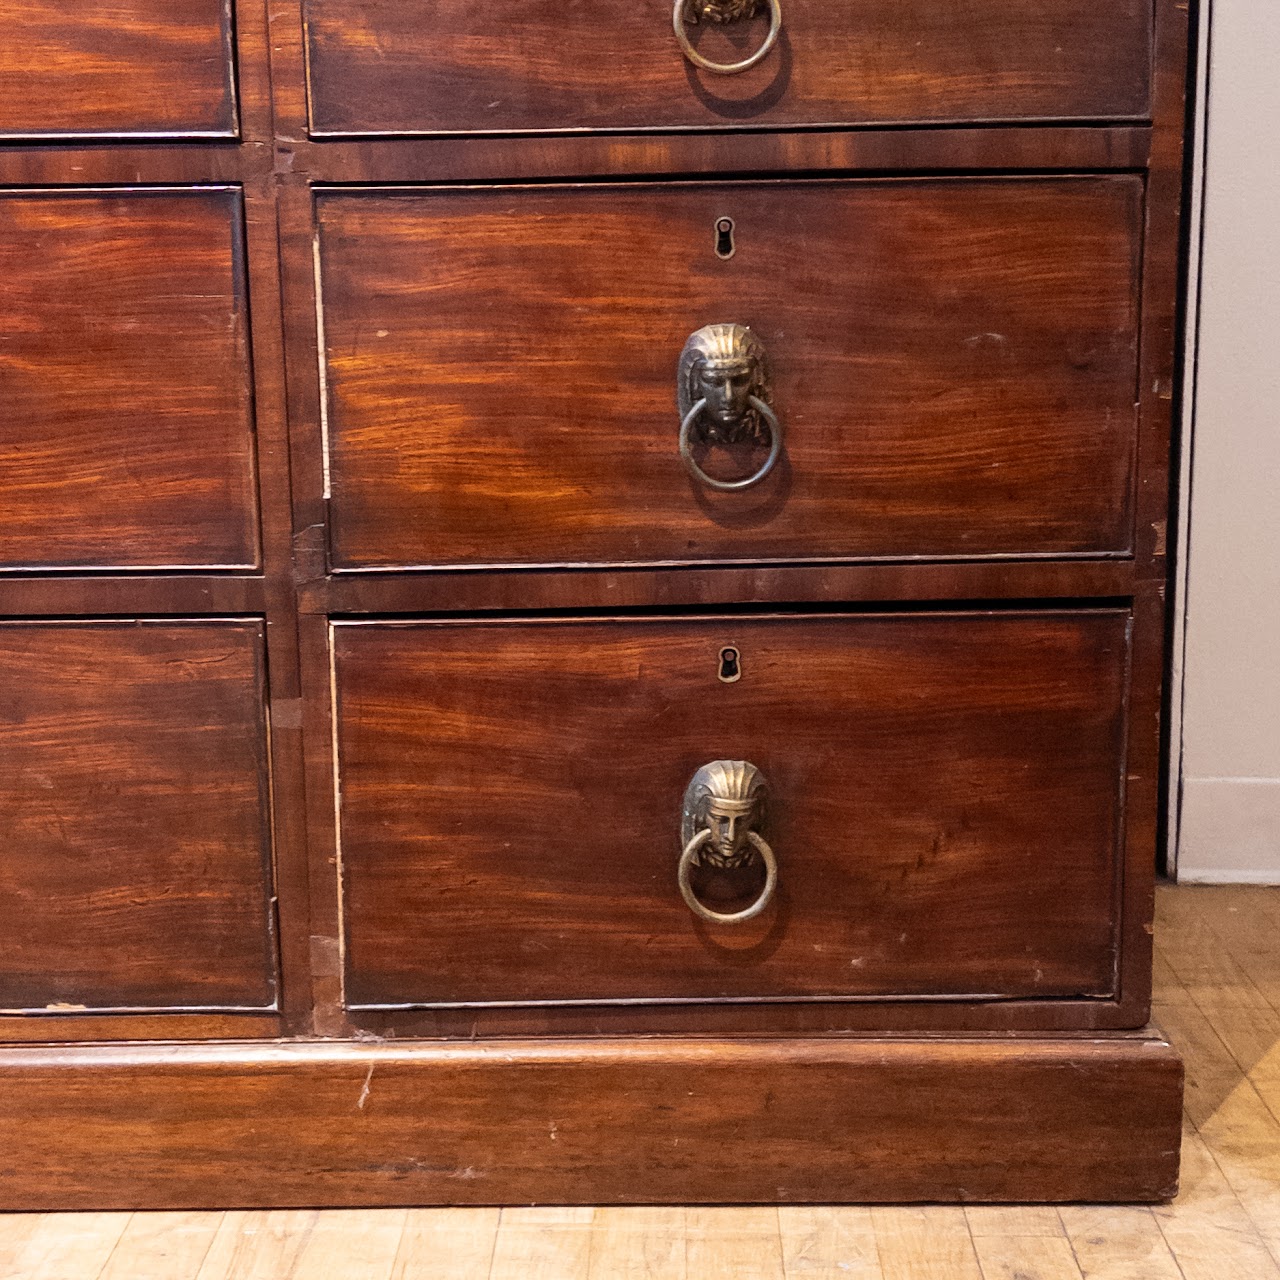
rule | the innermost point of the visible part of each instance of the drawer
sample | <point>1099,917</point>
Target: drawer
<point>952,364</point>
<point>136,830</point>
<point>129,436</point>
<point>413,67</point>
<point>150,68</point>
<point>941,795</point>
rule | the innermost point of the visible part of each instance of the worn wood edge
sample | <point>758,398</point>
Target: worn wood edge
<point>629,1120</point>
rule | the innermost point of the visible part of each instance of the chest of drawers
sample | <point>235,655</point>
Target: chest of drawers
<point>582,600</point>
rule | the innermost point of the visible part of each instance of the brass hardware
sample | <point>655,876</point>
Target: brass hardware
<point>725,247</point>
<point>721,12</point>
<point>723,381</point>
<point>730,665</point>
<point>724,803</point>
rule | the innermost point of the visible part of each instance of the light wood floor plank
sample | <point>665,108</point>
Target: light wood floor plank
<point>1014,1220</point>
<point>15,1230</point>
<point>447,1244</point>
<point>68,1246</point>
<point>1251,1036</point>
<point>543,1244</point>
<point>925,1244</point>
<point>1207,1228</point>
<point>638,1244</point>
<point>1244,1137</point>
<point>740,1243</point>
<point>1212,1074</point>
<point>1118,1243</point>
<point>351,1244</point>
<point>1026,1258</point>
<point>828,1243</point>
<point>162,1246</point>
<point>264,1245</point>
<point>1201,958</point>
<point>1166,986</point>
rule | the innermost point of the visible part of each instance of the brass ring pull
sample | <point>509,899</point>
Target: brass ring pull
<point>687,860</point>
<point>726,68</point>
<point>775,448</point>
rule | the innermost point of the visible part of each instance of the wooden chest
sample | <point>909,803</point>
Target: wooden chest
<point>582,600</point>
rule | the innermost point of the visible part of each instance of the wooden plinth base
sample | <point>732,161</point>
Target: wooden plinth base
<point>588,1122</point>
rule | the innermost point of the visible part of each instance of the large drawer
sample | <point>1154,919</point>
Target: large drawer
<point>953,364</point>
<point>135,870</point>
<point>943,800</point>
<point>408,66</point>
<point>151,68</point>
<point>128,439</point>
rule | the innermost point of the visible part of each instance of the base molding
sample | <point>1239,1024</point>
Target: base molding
<point>589,1122</point>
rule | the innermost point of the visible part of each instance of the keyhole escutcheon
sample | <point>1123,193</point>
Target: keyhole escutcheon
<point>730,665</point>
<point>725,247</point>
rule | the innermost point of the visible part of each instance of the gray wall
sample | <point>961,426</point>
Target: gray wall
<point>1229,734</point>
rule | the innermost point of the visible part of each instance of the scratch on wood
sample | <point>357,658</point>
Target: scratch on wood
<point>364,1091</point>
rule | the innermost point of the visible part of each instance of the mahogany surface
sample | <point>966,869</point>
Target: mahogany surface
<point>133,782</point>
<point>694,1121</point>
<point>944,800</point>
<point>128,398</point>
<point>199,494</point>
<point>955,366</point>
<point>408,66</point>
<point>145,67</point>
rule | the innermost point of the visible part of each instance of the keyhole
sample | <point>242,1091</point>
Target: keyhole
<point>725,247</point>
<point>730,665</point>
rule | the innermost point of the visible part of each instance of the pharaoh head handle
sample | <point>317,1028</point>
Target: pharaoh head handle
<point>724,365</point>
<point>725,797</point>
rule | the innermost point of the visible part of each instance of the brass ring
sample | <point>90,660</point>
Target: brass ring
<point>775,434</point>
<point>727,68</point>
<point>736,917</point>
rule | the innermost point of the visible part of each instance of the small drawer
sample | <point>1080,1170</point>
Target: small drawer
<point>140,68</point>
<point>128,400</point>
<point>137,832</point>
<point>413,67</point>
<point>940,796</point>
<point>951,365</point>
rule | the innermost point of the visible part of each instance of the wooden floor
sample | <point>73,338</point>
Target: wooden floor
<point>1217,996</point>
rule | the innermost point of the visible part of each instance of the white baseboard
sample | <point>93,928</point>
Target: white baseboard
<point>1218,876</point>
<point>1229,831</point>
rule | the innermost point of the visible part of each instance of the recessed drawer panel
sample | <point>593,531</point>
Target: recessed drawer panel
<point>154,68</point>
<point>125,374</point>
<point>135,863</point>
<point>940,795</point>
<point>951,365</point>
<point>408,66</point>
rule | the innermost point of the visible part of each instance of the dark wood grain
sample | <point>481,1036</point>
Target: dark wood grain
<point>406,66</point>
<point>954,363</point>
<point>516,590</point>
<point>134,791</point>
<point>125,371</point>
<point>158,416</point>
<point>1070,149</point>
<point>150,67</point>
<point>614,1121</point>
<point>944,803</point>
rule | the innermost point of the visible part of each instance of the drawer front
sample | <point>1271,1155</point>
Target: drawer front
<point>952,364</point>
<point>125,374</point>
<point>154,68</point>
<point>407,66</point>
<point>943,800</point>
<point>135,870</point>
